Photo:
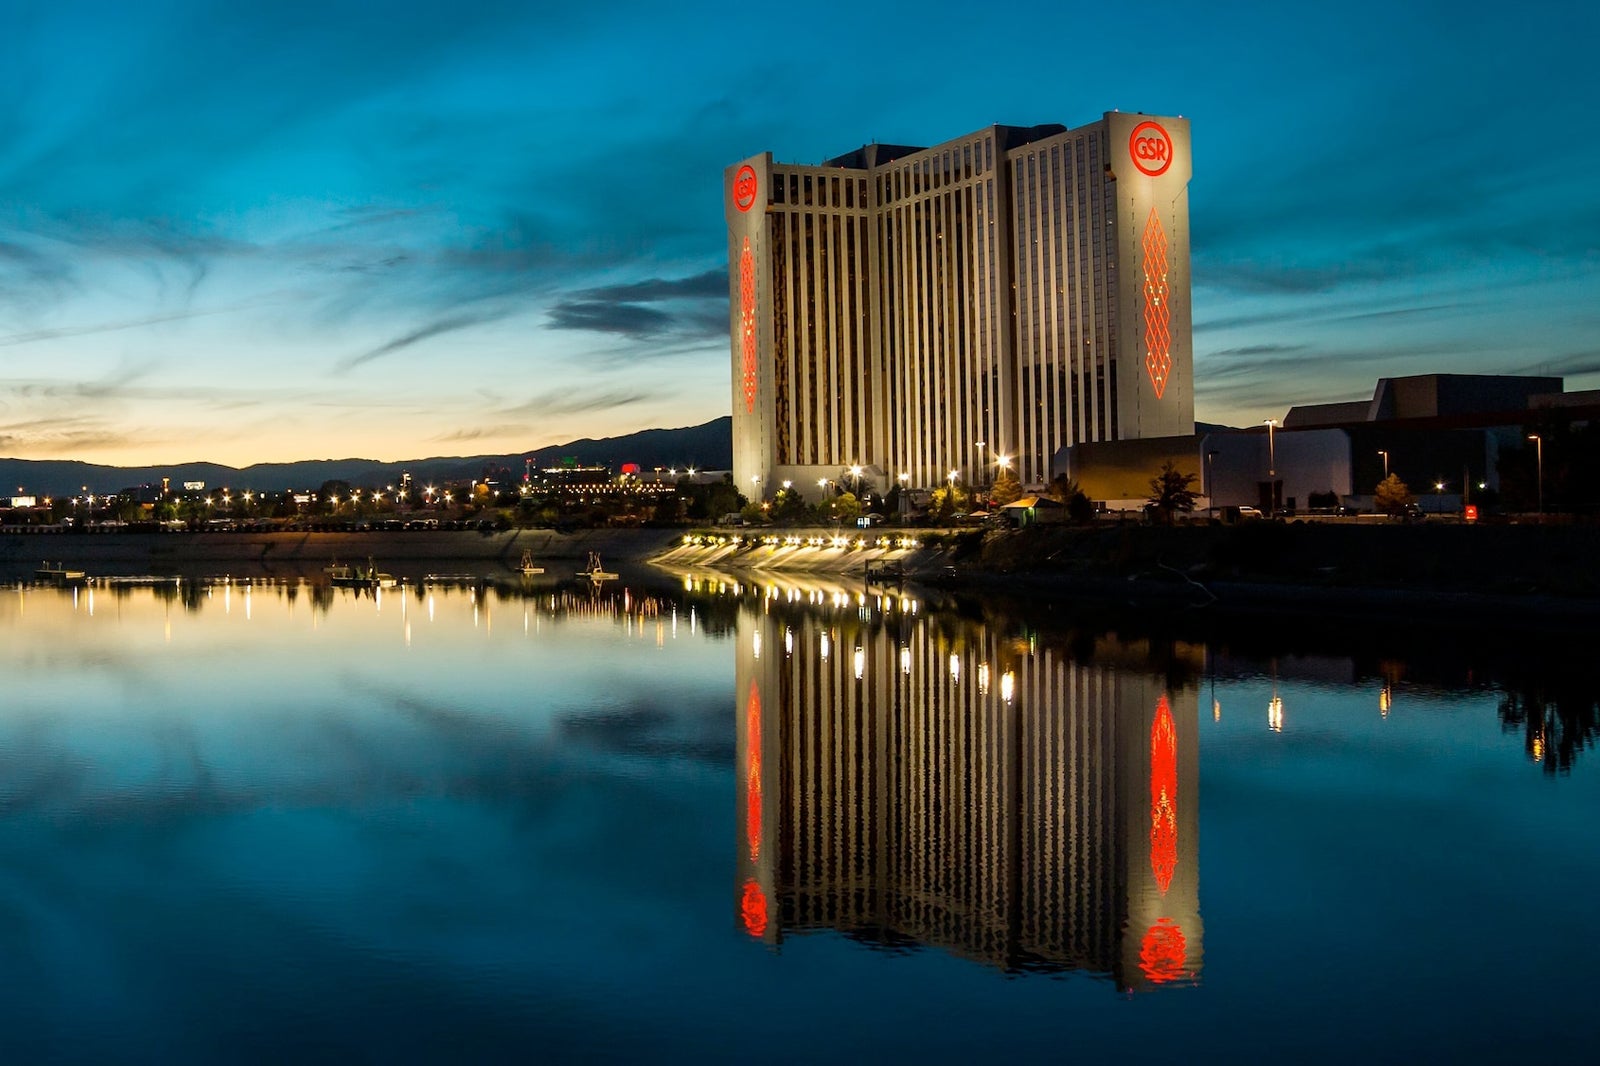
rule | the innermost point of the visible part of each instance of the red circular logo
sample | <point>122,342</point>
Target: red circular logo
<point>744,187</point>
<point>1151,149</point>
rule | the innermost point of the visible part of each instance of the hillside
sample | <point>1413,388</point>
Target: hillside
<point>708,446</point>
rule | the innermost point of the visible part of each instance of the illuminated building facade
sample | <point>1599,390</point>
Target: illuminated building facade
<point>1008,293</point>
<point>1018,808</point>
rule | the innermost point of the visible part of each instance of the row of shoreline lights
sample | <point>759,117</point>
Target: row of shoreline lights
<point>1001,461</point>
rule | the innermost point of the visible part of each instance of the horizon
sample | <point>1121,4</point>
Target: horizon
<point>230,232</point>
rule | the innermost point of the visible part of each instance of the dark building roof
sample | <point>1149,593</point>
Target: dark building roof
<point>1457,396</point>
<point>1006,138</point>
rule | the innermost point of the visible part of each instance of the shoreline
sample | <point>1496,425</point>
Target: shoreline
<point>1224,572</point>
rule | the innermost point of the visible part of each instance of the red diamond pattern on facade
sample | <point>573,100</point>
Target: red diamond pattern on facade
<point>1157,315</point>
<point>747,324</point>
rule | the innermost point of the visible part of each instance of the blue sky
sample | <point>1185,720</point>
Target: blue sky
<point>253,232</point>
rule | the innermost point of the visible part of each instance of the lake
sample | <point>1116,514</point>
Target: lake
<point>783,821</point>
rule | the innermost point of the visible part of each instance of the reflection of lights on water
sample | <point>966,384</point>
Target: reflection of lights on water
<point>1008,685</point>
<point>861,663</point>
<point>824,646</point>
<point>955,667</point>
<point>788,641</point>
<point>905,660</point>
<point>1538,749</point>
<point>1216,710</point>
<point>430,606</point>
<point>983,679</point>
<point>1385,698</point>
<point>1275,715</point>
<point>755,644</point>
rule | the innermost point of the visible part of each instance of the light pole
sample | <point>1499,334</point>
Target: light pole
<point>1211,484</point>
<point>981,469</point>
<point>1272,469</point>
<point>855,481</point>
<point>1385,463</point>
<point>1538,445</point>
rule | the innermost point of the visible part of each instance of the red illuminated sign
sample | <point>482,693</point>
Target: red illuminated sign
<point>744,188</point>
<point>1157,315</point>
<point>753,909</point>
<point>1472,512</point>
<point>1163,951</point>
<point>747,324</point>
<point>1150,146</point>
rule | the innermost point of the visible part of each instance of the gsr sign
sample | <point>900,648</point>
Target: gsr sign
<point>1150,146</point>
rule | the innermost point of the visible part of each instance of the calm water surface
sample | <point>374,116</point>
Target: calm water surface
<point>779,823</point>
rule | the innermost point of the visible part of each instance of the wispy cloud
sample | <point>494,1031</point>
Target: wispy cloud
<point>433,329</point>
<point>89,329</point>
<point>697,307</point>
<point>576,401</point>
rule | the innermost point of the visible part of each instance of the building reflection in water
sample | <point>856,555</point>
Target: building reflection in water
<point>908,783</point>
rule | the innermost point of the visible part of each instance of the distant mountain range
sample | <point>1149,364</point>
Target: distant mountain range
<point>707,447</point>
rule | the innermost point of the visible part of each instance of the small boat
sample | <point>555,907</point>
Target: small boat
<point>367,577</point>
<point>594,571</point>
<point>58,574</point>
<point>526,568</point>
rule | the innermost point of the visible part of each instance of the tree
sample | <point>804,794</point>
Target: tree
<point>1170,492</point>
<point>1007,489</point>
<point>1064,489</point>
<point>788,506</point>
<point>846,508</point>
<point>948,500</point>
<point>1392,496</point>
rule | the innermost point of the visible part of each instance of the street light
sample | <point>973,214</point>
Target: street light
<point>1211,483</point>
<point>1272,455</point>
<point>1385,463</point>
<point>1538,443</point>
<point>981,469</point>
<point>855,480</point>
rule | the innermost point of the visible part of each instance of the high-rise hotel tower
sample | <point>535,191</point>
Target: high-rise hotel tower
<point>921,310</point>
